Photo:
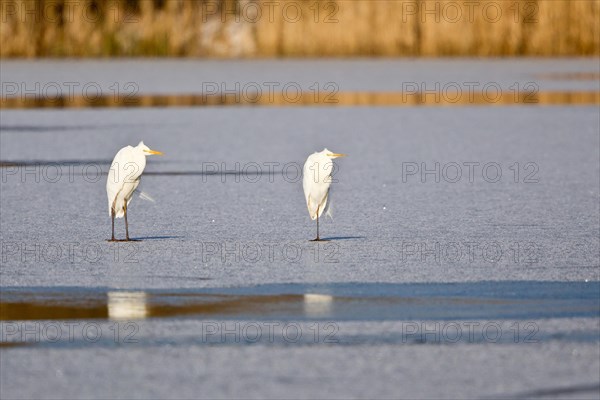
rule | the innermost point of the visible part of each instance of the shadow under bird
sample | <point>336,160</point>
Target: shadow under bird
<point>316,181</point>
<point>123,178</point>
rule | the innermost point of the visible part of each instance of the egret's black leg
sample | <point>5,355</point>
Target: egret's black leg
<point>126,224</point>
<point>317,224</point>
<point>112,216</point>
<point>317,239</point>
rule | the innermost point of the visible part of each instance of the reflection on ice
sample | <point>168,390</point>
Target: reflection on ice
<point>317,305</point>
<point>461,96</point>
<point>127,305</point>
<point>344,301</point>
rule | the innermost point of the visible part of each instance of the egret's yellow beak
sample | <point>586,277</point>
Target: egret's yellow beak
<point>336,155</point>
<point>158,153</point>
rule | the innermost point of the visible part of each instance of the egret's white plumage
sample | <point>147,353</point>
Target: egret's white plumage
<point>317,178</point>
<point>124,177</point>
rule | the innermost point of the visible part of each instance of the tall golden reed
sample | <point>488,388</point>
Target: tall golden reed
<point>298,28</point>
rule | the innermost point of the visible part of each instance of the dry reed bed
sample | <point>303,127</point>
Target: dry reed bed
<point>298,28</point>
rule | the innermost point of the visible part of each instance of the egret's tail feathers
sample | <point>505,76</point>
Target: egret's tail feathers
<point>329,213</point>
<point>313,213</point>
<point>146,196</point>
<point>118,214</point>
<point>118,206</point>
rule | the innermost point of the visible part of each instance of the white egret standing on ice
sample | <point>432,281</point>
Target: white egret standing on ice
<point>316,182</point>
<point>123,178</point>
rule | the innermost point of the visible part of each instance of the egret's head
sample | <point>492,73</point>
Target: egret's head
<point>147,151</point>
<point>331,154</point>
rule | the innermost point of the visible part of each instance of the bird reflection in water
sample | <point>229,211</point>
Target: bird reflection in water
<point>127,305</point>
<point>317,305</point>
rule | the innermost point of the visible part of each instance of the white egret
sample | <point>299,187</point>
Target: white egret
<point>123,178</point>
<point>316,181</point>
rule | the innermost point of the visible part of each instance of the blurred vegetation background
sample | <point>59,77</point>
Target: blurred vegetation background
<point>298,28</point>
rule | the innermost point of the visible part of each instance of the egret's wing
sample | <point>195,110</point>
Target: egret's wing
<point>314,206</point>
<point>114,186</point>
<point>128,190</point>
<point>329,209</point>
<point>324,204</point>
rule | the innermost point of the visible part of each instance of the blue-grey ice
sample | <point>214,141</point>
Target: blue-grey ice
<point>492,209</point>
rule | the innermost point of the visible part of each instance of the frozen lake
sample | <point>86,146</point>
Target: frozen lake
<point>480,219</point>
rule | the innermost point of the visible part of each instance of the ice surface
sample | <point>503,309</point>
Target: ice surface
<point>239,229</point>
<point>232,229</point>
